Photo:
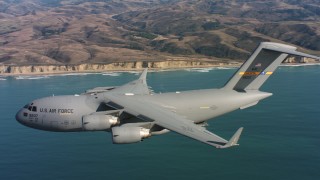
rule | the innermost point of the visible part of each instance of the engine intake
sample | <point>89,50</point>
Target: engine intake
<point>99,122</point>
<point>126,135</point>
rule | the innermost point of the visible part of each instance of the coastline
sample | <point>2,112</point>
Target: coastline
<point>111,68</point>
<point>34,70</point>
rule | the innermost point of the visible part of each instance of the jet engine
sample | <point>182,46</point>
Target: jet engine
<point>99,122</point>
<point>126,135</point>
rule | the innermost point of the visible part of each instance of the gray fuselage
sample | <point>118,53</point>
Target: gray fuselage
<point>65,113</point>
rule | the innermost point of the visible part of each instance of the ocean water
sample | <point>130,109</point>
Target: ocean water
<point>281,138</point>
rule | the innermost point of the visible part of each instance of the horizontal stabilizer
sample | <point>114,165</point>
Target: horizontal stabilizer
<point>234,140</point>
<point>291,52</point>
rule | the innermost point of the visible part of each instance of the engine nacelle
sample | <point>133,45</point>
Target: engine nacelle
<point>126,135</point>
<point>99,122</point>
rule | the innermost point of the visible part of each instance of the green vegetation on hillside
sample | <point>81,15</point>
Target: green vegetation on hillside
<point>146,35</point>
<point>212,26</point>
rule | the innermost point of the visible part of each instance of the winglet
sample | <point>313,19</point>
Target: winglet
<point>234,139</point>
<point>143,75</point>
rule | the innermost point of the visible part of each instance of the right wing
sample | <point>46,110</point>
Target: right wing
<point>149,111</point>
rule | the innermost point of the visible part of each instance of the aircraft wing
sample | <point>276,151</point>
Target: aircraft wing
<point>138,86</point>
<point>149,111</point>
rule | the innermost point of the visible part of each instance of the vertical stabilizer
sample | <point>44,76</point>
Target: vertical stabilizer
<point>260,65</point>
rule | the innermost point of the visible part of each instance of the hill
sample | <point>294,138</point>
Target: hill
<point>105,31</point>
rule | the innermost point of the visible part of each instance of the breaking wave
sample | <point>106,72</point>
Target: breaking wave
<point>31,77</point>
<point>111,74</point>
<point>227,67</point>
<point>204,70</point>
<point>298,65</point>
<point>135,72</point>
<point>73,74</point>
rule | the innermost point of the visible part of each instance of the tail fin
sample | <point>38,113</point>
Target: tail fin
<point>260,65</point>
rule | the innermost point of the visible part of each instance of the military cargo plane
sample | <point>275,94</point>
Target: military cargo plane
<point>132,112</point>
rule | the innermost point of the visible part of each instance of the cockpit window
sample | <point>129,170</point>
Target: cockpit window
<point>34,108</point>
<point>31,108</point>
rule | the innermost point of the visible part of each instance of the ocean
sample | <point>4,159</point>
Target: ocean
<point>281,137</point>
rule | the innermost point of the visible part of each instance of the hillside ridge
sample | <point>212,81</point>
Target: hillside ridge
<point>59,32</point>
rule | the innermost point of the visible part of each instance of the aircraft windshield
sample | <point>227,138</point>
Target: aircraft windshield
<point>30,108</point>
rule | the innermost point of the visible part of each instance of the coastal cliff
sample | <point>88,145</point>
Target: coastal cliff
<point>119,66</point>
<point>127,66</point>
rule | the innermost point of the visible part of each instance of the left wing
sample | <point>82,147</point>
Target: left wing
<point>135,87</point>
<point>149,111</point>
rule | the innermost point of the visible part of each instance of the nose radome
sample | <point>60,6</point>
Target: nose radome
<point>19,116</point>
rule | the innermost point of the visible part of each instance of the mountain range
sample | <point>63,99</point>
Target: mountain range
<point>106,31</point>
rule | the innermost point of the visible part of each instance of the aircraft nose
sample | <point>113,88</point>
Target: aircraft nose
<point>20,116</point>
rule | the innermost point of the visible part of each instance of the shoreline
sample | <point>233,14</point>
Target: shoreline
<point>111,71</point>
<point>40,70</point>
<point>150,69</point>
